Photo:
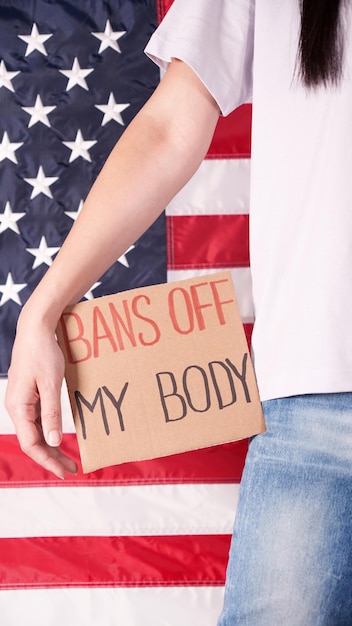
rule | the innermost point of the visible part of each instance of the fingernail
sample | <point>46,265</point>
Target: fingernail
<point>54,438</point>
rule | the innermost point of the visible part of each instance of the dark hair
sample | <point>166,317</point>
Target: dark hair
<point>320,43</point>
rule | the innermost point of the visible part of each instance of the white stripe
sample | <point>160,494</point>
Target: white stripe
<point>103,511</point>
<point>219,186</point>
<point>155,606</point>
<point>242,281</point>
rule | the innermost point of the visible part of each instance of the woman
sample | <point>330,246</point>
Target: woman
<point>290,559</point>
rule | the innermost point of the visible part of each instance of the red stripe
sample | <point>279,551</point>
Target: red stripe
<point>162,7</point>
<point>232,138</point>
<point>113,561</point>
<point>207,241</point>
<point>248,329</point>
<point>219,464</point>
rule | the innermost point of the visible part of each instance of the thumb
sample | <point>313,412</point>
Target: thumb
<point>49,385</point>
<point>51,418</point>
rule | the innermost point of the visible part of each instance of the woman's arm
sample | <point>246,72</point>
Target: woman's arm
<point>157,154</point>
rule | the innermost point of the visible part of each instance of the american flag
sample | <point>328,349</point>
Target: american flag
<point>140,543</point>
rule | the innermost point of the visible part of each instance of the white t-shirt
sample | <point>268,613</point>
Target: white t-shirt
<point>301,183</point>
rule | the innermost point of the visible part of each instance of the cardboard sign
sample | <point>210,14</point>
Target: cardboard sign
<point>159,370</point>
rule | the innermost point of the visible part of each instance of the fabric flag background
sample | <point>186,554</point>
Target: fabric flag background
<point>141,543</point>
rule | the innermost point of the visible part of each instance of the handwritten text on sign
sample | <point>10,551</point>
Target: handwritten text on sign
<point>159,370</point>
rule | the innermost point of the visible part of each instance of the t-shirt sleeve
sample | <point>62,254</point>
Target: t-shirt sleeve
<point>215,38</point>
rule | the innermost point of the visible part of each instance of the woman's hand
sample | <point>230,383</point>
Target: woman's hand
<point>33,396</point>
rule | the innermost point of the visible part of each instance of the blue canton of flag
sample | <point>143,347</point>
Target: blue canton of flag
<point>72,76</point>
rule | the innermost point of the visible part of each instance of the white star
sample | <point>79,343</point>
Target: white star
<point>122,259</point>
<point>76,76</point>
<point>9,219</point>
<point>6,77</point>
<point>43,254</point>
<point>109,38</point>
<point>74,214</point>
<point>35,41</point>
<point>89,295</point>
<point>38,113</point>
<point>10,290</point>
<point>79,147</point>
<point>41,184</point>
<point>8,149</point>
<point>112,110</point>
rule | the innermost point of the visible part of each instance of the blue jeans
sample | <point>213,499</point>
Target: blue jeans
<point>291,553</point>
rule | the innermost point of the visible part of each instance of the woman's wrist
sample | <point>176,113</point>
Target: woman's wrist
<point>41,310</point>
